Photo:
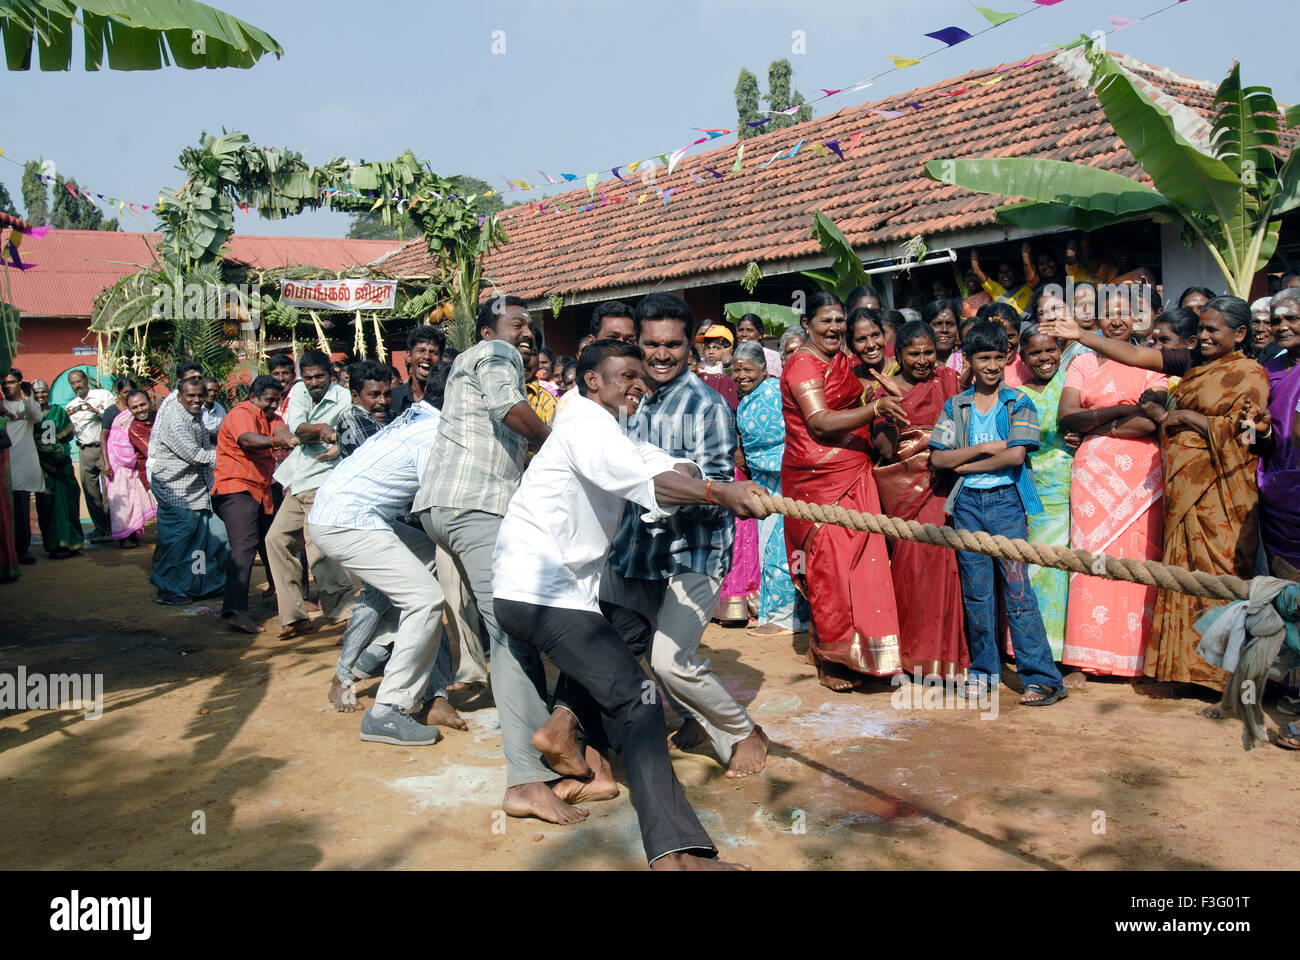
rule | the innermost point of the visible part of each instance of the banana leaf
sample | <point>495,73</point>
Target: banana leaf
<point>1052,182</point>
<point>845,271</point>
<point>1245,127</point>
<point>1184,175</point>
<point>776,318</point>
<point>135,34</point>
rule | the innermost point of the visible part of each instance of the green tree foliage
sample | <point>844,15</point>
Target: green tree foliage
<point>36,195</point>
<point>75,213</point>
<point>747,110</point>
<point>780,97</point>
<point>370,225</point>
<point>6,202</point>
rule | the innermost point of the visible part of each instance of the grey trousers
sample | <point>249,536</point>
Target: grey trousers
<point>396,561</point>
<point>462,622</point>
<point>518,680</point>
<point>92,468</point>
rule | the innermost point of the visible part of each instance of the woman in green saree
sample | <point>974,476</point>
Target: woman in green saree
<point>58,507</point>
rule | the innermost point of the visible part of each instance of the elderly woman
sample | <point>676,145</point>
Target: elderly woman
<point>130,505</point>
<point>761,427</point>
<point>791,341</point>
<point>749,328</point>
<point>58,506</point>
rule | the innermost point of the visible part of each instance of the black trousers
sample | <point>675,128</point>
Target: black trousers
<point>246,526</point>
<point>22,522</point>
<point>622,704</point>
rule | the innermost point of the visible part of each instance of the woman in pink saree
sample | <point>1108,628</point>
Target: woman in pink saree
<point>130,504</point>
<point>1115,506</point>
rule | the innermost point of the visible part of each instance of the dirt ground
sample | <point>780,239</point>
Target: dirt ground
<point>197,718</point>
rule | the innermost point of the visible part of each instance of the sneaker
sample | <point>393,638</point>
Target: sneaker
<point>388,724</point>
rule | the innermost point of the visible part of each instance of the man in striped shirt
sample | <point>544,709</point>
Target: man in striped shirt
<point>354,521</point>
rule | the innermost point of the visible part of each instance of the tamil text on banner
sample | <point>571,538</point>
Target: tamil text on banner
<point>339,294</point>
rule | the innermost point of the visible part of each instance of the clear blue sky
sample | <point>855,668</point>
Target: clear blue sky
<point>582,84</point>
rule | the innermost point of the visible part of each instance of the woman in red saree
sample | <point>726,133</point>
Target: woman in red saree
<point>927,587</point>
<point>844,574</point>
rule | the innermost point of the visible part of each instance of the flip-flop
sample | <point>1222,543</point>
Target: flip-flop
<point>1288,737</point>
<point>1052,695</point>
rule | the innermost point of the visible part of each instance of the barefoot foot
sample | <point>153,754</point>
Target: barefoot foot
<point>557,741</point>
<point>441,713</point>
<point>1076,679</point>
<point>537,800</point>
<point>343,696</point>
<point>241,621</point>
<point>749,756</point>
<point>298,628</point>
<point>689,861</point>
<point>602,786</point>
<point>689,734</point>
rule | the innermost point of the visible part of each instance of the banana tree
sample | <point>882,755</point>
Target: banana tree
<point>135,34</point>
<point>1229,193</point>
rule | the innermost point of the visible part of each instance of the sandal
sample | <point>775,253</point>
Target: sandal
<point>1050,695</point>
<point>978,685</point>
<point>1287,737</point>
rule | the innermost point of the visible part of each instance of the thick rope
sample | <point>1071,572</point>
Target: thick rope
<point>1150,573</point>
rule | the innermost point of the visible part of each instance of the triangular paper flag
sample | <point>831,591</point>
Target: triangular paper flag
<point>569,176</point>
<point>591,183</point>
<point>378,203</point>
<point>766,162</point>
<point>950,35</point>
<point>641,199</point>
<point>989,83</point>
<point>667,193</point>
<point>889,114</point>
<point>820,150</point>
<point>676,158</point>
<point>758,123</point>
<point>546,175</point>
<point>1119,21</point>
<point>834,146</point>
<point>631,167</point>
<point>995,18</point>
<point>853,140</point>
<point>793,150</point>
<point>901,62</point>
<point>740,152</point>
<point>829,93</point>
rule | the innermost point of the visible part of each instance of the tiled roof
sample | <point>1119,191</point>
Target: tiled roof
<point>879,195</point>
<point>69,268</point>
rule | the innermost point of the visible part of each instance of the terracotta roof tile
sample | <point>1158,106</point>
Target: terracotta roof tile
<point>878,196</point>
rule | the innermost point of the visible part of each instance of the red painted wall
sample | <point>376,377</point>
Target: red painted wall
<point>45,346</point>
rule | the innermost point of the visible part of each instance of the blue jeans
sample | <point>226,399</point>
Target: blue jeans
<point>999,511</point>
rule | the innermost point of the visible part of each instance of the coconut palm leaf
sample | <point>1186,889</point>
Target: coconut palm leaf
<point>135,34</point>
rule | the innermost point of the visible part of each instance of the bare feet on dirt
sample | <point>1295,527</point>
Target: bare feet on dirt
<point>1075,679</point>
<point>441,713</point>
<point>749,755</point>
<point>689,861</point>
<point>689,734</point>
<point>537,800</point>
<point>602,786</point>
<point>241,621</point>
<point>343,696</point>
<point>298,628</point>
<point>557,741</point>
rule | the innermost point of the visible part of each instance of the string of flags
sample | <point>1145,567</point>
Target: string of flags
<point>948,36</point>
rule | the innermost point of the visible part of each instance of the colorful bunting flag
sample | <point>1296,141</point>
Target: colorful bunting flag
<point>901,62</point>
<point>834,146</point>
<point>793,150</point>
<point>889,114</point>
<point>1119,21</point>
<point>820,150</point>
<point>950,35</point>
<point>853,140</point>
<point>829,93</point>
<point>546,175</point>
<point>773,160</point>
<point>995,18</point>
<point>591,183</point>
<point>569,176</point>
<point>740,152</point>
<point>758,123</point>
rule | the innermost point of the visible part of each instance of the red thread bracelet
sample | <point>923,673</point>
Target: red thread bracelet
<point>707,488</point>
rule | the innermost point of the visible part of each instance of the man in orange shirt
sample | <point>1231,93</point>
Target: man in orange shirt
<point>241,493</point>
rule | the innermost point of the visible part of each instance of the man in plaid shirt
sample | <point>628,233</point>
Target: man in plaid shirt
<point>190,558</point>
<point>663,580</point>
